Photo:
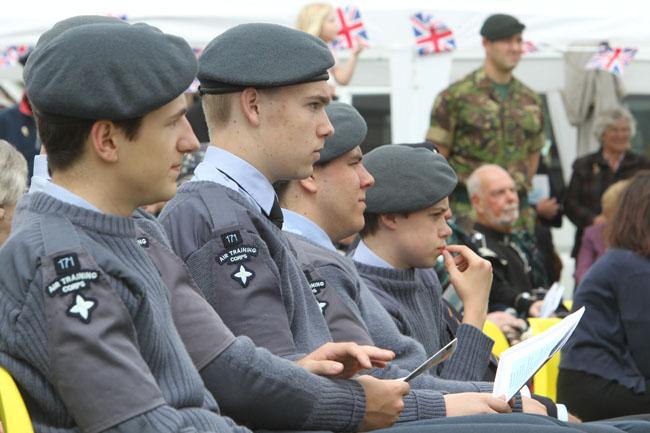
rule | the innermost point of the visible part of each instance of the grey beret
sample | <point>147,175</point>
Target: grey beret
<point>108,71</point>
<point>262,56</point>
<point>67,24</point>
<point>350,130</point>
<point>407,179</point>
<point>501,26</point>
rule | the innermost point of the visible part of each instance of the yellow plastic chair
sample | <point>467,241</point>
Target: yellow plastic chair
<point>13,412</point>
<point>500,340</point>
<point>545,380</point>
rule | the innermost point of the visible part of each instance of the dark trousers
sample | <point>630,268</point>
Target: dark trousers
<point>591,397</point>
<point>510,423</point>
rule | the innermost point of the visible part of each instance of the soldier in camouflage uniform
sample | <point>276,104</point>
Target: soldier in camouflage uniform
<point>491,117</point>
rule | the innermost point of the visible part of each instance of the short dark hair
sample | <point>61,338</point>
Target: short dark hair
<point>281,186</point>
<point>64,137</point>
<point>372,223</point>
<point>630,226</point>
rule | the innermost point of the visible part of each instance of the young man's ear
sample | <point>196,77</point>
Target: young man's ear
<point>309,184</point>
<point>249,101</point>
<point>389,220</point>
<point>104,141</point>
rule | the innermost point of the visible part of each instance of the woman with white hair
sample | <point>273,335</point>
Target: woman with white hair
<point>595,172</point>
<point>319,19</point>
<point>13,182</point>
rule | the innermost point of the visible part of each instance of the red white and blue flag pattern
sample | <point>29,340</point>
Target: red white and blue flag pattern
<point>351,29</point>
<point>431,36</point>
<point>529,47</point>
<point>10,55</point>
<point>613,60</point>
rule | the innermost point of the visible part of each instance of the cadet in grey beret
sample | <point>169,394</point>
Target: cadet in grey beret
<point>407,179</point>
<point>262,56</point>
<point>350,130</point>
<point>109,71</point>
<point>501,26</point>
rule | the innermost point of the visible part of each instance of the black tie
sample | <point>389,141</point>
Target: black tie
<point>276,213</point>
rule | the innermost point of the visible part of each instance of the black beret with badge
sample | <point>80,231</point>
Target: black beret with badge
<point>407,179</point>
<point>350,130</point>
<point>262,55</point>
<point>501,26</point>
<point>108,71</point>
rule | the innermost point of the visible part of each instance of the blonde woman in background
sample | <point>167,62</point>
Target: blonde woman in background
<point>13,183</point>
<point>593,243</point>
<point>319,19</point>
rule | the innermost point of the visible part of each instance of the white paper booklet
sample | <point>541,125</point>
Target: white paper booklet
<point>552,300</point>
<point>520,362</point>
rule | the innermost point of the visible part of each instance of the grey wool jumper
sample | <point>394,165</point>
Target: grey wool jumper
<point>339,272</point>
<point>413,299</point>
<point>245,268</point>
<point>87,328</point>
<point>285,318</point>
<point>252,386</point>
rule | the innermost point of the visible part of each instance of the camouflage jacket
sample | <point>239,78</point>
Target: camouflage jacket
<point>471,120</point>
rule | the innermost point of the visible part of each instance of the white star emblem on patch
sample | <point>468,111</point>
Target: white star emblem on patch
<point>243,276</point>
<point>323,306</point>
<point>81,308</point>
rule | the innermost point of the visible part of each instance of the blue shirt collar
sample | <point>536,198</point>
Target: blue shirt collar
<point>365,255</point>
<point>40,177</point>
<point>41,182</point>
<point>66,196</point>
<point>303,226</point>
<point>224,168</point>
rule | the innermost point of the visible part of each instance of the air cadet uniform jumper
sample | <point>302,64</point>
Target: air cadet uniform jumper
<point>413,296</point>
<point>482,122</point>
<point>95,287</point>
<point>88,338</point>
<point>338,273</point>
<point>319,403</point>
<point>220,225</point>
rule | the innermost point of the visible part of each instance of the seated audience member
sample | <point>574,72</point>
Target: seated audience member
<point>13,183</point>
<point>321,404</point>
<point>595,172</point>
<point>593,243</point>
<point>87,330</point>
<point>605,367</point>
<point>496,203</point>
<point>327,207</point>
<point>402,238</point>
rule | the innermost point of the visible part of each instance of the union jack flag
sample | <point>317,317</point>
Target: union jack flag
<point>431,36</point>
<point>610,59</point>
<point>529,47</point>
<point>11,54</point>
<point>351,27</point>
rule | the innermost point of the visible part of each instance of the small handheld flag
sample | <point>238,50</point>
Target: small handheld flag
<point>613,60</point>
<point>351,29</point>
<point>431,36</point>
